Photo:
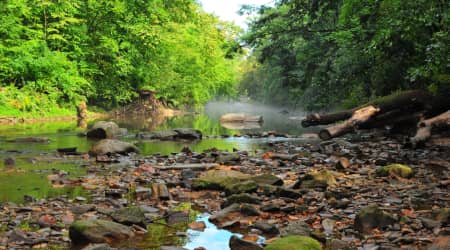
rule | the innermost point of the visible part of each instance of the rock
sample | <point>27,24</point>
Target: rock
<point>297,227</point>
<point>336,244</point>
<point>440,243</point>
<point>9,161</point>
<point>197,225</point>
<point>321,179</point>
<point>160,191</point>
<point>430,224</point>
<point>241,198</point>
<point>232,182</point>
<point>270,208</point>
<point>143,193</point>
<point>442,215</point>
<point>342,163</point>
<point>222,214</point>
<point>98,231</point>
<point>46,221</point>
<point>228,159</point>
<point>109,146</point>
<point>395,169</point>
<point>172,248</point>
<point>371,217</point>
<point>288,193</point>
<point>268,179</point>
<point>173,217</point>
<point>31,140</point>
<point>105,130</point>
<point>243,118</point>
<point>248,209</point>
<point>237,243</point>
<point>174,134</point>
<point>266,228</point>
<point>188,134</point>
<point>294,243</point>
<point>98,247</point>
<point>129,216</point>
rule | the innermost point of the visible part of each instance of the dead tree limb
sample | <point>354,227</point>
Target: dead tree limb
<point>359,116</point>
<point>424,127</point>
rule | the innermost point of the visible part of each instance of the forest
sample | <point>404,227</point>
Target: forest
<point>311,54</point>
<point>54,54</point>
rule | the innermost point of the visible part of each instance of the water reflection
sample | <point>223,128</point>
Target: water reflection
<point>212,237</point>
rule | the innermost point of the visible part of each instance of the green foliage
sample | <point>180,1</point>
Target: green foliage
<point>322,53</point>
<point>57,53</point>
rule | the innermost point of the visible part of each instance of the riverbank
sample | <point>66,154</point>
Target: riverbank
<point>336,192</point>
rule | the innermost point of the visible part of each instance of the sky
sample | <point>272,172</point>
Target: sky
<point>227,9</point>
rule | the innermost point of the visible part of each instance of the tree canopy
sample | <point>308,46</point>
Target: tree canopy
<point>54,53</point>
<point>321,53</point>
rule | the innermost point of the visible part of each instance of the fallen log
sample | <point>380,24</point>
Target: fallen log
<point>424,127</point>
<point>359,116</point>
<point>411,100</point>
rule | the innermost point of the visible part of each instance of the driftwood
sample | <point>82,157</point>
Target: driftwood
<point>424,127</point>
<point>407,100</point>
<point>359,116</point>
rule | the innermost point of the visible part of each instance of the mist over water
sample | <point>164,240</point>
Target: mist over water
<point>275,118</point>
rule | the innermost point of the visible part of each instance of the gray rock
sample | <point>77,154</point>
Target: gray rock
<point>98,247</point>
<point>237,243</point>
<point>371,217</point>
<point>129,216</point>
<point>266,228</point>
<point>172,248</point>
<point>177,217</point>
<point>106,130</point>
<point>297,227</point>
<point>241,198</point>
<point>109,146</point>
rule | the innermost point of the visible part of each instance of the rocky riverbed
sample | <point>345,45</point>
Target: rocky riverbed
<point>360,193</point>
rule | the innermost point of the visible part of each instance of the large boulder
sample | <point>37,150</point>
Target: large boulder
<point>173,134</point>
<point>105,130</point>
<point>110,146</point>
<point>294,243</point>
<point>98,231</point>
<point>237,243</point>
<point>372,217</point>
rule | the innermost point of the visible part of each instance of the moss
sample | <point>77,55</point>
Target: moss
<point>395,169</point>
<point>322,178</point>
<point>231,182</point>
<point>294,243</point>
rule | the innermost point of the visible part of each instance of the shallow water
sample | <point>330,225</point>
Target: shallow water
<point>35,161</point>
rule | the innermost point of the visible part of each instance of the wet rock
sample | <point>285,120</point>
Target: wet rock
<point>143,193</point>
<point>31,140</point>
<point>105,130</point>
<point>228,159</point>
<point>395,169</point>
<point>321,179</point>
<point>174,134</point>
<point>237,243</point>
<point>197,225</point>
<point>294,243</point>
<point>371,217</point>
<point>160,191</point>
<point>248,209</point>
<point>430,224</point>
<point>109,146</point>
<point>336,244</point>
<point>222,214</point>
<point>241,198</point>
<point>173,217</point>
<point>268,179</point>
<point>266,228</point>
<point>98,231</point>
<point>98,247</point>
<point>297,227</point>
<point>129,216</point>
<point>188,134</point>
